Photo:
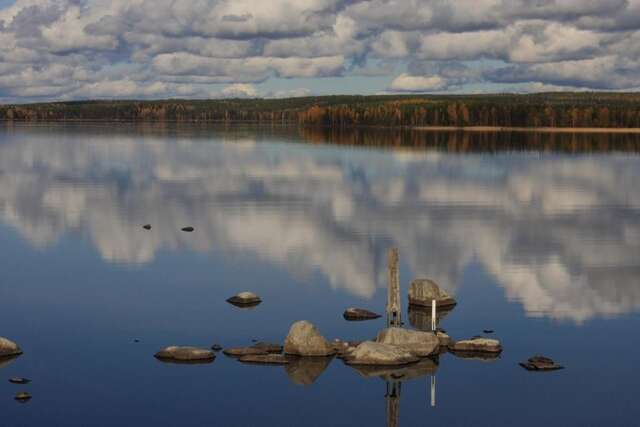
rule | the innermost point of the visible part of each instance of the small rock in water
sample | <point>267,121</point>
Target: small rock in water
<point>18,380</point>
<point>355,314</point>
<point>265,359</point>
<point>147,227</point>
<point>488,331</point>
<point>23,397</point>
<point>136,340</point>
<point>540,363</point>
<point>185,354</point>
<point>244,351</point>
<point>188,229</point>
<point>245,299</point>
<point>216,347</point>
<point>477,345</point>
<point>9,348</point>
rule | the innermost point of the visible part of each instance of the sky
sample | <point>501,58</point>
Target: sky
<point>149,49</point>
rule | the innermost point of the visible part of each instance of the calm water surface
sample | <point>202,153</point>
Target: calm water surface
<point>542,245</point>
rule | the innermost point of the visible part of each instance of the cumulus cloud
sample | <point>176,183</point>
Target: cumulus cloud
<point>53,49</point>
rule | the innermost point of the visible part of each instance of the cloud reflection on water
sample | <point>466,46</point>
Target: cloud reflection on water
<point>561,234</point>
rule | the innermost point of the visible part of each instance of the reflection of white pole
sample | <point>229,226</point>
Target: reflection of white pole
<point>433,391</point>
<point>433,315</point>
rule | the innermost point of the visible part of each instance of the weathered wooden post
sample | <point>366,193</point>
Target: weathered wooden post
<point>393,296</point>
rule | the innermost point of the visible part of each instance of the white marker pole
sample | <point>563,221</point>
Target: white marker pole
<point>433,315</point>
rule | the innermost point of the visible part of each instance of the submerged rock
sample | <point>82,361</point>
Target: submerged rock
<point>268,347</point>
<point>8,348</point>
<point>306,370</point>
<point>356,314</point>
<point>375,353</point>
<point>244,351</point>
<point>245,299</point>
<point>23,397</point>
<point>423,291</point>
<point>488,331</point>
<point>416,342</point>
<point>18,380</point>
<point>185,354</point>
<point>304,339</point>
<point>265,359</point>
<point>477,345</point>
<point>540,363</point>
<point>188,229</point>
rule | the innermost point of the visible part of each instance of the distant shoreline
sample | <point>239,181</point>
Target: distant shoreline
<point>525,129</point>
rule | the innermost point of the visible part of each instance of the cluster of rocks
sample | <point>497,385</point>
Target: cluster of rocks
<point>395,351</point>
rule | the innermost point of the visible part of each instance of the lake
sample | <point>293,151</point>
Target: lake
<point>536,236</point>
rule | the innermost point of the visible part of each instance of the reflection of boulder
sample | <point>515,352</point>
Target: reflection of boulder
<point>422,292</point>
<point>472,355</point>
<point>424,367</point>
<point>5,361</point>
<point>420,317</point>
<point>306,370</point>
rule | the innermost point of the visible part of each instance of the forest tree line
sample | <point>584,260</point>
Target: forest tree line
<point>607,110</point>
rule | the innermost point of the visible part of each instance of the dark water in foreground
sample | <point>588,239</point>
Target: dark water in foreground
<point>541,246</point>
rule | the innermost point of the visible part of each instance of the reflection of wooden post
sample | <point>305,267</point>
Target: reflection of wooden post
<point>393,296</point>
<point>393,403</point>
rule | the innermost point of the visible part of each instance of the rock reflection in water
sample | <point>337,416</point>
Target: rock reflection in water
<point>6,361</point>
<point>420,317</point>
<point>306,370</point>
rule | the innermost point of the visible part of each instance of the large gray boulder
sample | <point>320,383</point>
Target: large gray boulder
<point>379,354</point>
<point>304,339</point>
<point>8,348</point>
<point>423,291</point>
<point>185,354</point>
<point>417,343</point>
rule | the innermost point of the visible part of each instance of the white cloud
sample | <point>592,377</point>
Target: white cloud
<point>207,43</point>
<point>407,83</point>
